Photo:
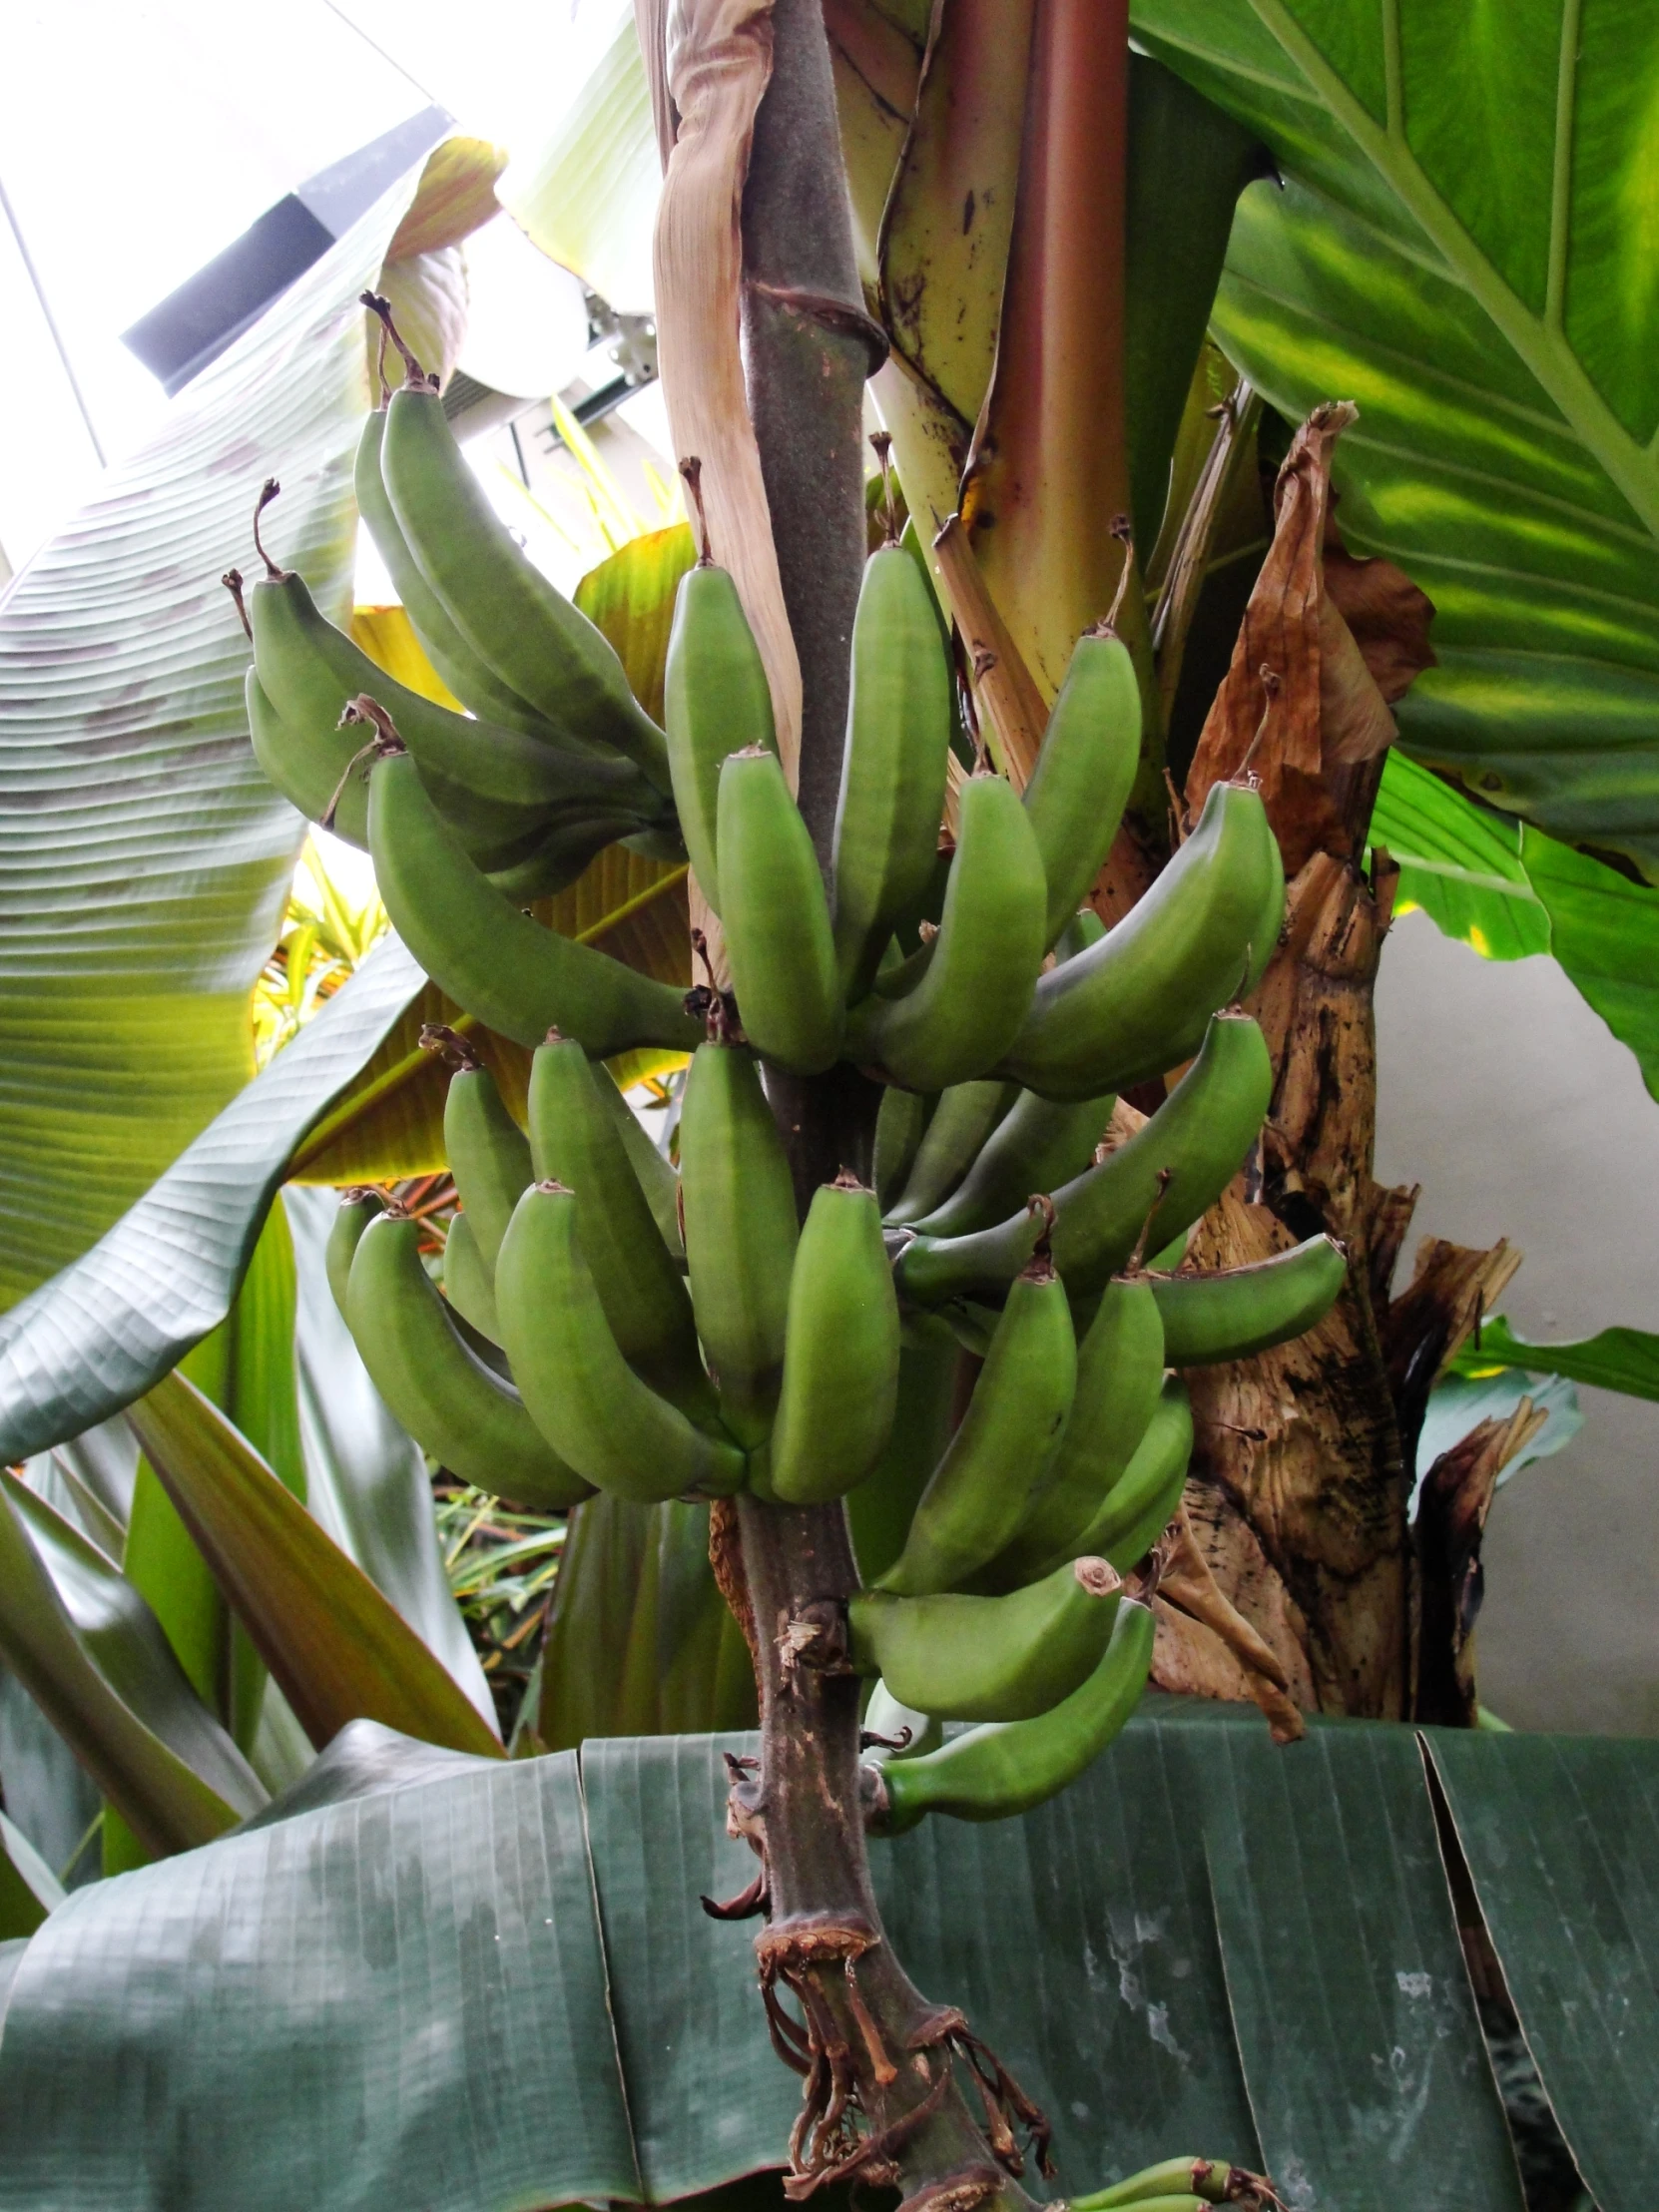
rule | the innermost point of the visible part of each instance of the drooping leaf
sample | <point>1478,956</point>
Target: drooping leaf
<point>334,1644</point>
<point>1460,864</point>
<point>366,1479</point>
<point>392,1999</point>
<point>118,1318</point>
<point>1624,1360</point>
<point>1462,247</point>
<point>147,858</point>
<point>162,1798</point>
<point>1560,1835</point>
<point>1604,930</point>
<point>588,196</point>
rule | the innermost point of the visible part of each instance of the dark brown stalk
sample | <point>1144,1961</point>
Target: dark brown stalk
<point>883,2072</point>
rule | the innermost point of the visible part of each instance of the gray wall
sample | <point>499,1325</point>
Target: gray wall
<point>1511,1102</point>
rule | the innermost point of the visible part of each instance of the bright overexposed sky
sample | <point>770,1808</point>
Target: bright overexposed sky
<point>139,137</point>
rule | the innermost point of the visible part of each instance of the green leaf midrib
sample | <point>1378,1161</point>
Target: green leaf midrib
<point>1539,344</point>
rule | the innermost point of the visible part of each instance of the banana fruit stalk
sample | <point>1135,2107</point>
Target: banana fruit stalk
<point>606,1319</point>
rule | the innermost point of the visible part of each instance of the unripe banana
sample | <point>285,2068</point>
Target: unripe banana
<point>1230,1313</point>
<point>1039,1145</point>
<point>879,1510</point>
<point>900,1124</point>
<point>516,977</point>
<point>657,1176</point>
<point>741,1233</point>
<point>1120,1376</point>
<point>974,983</point>
<point>1085,770</point>
<point>776,918</point>
<point>884,1716</point>
<point>575,1141</point>
<point>1008,1767</point>
<point>979,1491</point>
<point>893,765</point>
<point>536,643</point>
<point>961,1124</point>
<point>1173,2181</point>
<point>840,1351</point>
<point>467,1418</point>
<point>1135,1004</point>
<point>468,1284</point>
<point>1139,1505</point>
<point>582,1394</point>
<point>987,1658</point>
<point>1151,1187</point>
<point>357,1208</point>
<point>489,1156</point>
<point>716,701</point>
<point>470,679</point>
<point>300,771</point>
<point>496,786</point>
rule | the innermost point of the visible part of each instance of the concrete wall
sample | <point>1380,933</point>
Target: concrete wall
<point>1510,1101</point>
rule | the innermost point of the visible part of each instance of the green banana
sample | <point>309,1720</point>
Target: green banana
<point>740,1232</point>
<point>900,1124</point>
<point>1135,1004</point>
<point>295,769</point>
<point>496,786</point>
<point>842,1330</point>
<point>575,1141</point>
<point>516,977</point>
<point>884,1716</point>
<point>527,633</point>
<point>716,701</point>
<point>776,918</point>
<point>1120,1376</point>
<point>488,1153</point>
<point>893,765</point>
<point>468,1284</point>
<point>1085,768</point>
<point>582,1393</point>
<point>961,1124</point>
<point>1138,1507</point>
<point>879,1510</point>
<point>1146,1192</point>
<point>451,1403</point>
<point>357,1208</point>
<point>987,1658</point>
<point>1007,1767</point>
<point>1172,2182</point>
<point>974,982</point>
<point>458,665</point>
<point>1230,1313</point>
<point>1039,1144</point>
<point>978,1493</point>
<point>657,1176</point>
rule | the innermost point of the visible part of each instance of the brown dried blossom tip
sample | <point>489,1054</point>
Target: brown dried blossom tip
<point>1123,531</point>
<point>355,1193</point>
<point>691,469</point>
<point>847,1181</point>
<point>1269,690</point>
<point>364,711</point>
<point>551,1187</point>
<point>457,1051</point>
<point>883,444</point>
<point>232,580</point>
<point>415,378</point>
<point>1137,1259</point>
<point>1040,1267</point>
<point>268,492</point>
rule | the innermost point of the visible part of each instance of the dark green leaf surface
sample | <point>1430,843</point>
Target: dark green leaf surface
<point>1361,2049</point>
<point>146,857</point>
<point>1617,1360</point>
<point>393,2001</point>
<point>119,1318</point>
<point>29,1890</point>
<point>1463,247</point>
<point>1561,1836</point>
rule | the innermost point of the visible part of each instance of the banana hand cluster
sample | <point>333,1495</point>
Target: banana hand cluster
<point>607,1321</point>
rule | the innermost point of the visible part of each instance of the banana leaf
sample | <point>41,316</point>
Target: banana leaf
<point>334,1644</point>
<point>29,1890</point>
<point>1624,1360</point>
<point>1460,245</point>
<point>1208,1946</point>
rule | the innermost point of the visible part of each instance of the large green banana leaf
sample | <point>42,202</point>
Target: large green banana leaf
<point>1207,1947</point>
<point>1463,245</point>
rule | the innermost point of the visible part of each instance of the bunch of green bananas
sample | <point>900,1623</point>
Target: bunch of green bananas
<point>607,1321</point>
